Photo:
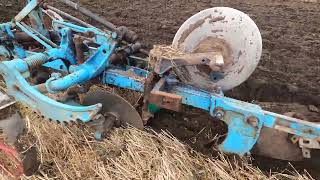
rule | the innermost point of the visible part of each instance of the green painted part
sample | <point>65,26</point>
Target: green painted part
<point>153,108</point>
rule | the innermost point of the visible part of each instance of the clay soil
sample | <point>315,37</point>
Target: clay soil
<point>287,78</point>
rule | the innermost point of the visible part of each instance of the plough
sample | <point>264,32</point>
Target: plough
<point>50,59</point>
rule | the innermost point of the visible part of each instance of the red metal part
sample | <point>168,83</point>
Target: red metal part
<point>13,156</point>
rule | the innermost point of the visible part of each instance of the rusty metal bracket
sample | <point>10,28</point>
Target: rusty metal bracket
<point>163,99</point>
<point>307,145</point>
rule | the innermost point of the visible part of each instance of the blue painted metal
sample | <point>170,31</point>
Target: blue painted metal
<point>4,52</point>
<point>291,125</point>
<point>98,136</point>
<point>194,97</point>
<point>242,135</point>
<point>6,29</point>
<point>14,72</point>
<point>93,67</point>
<point>101,37</point>
<point>138,71</point>
<point>27,10</point>
<point>20,89</point>
<point>36,21</point>
<point>25,29</point>
<point>240,131</point>
<point>65,51</point>
<point>128,78</point>
<point>57,65</point>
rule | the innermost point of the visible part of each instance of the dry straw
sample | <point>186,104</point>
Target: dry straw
<point>72,153</point>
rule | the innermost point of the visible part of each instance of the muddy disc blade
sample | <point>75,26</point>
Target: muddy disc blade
<point>5,101</point>
<point>115,104</point>
<point>277,144</point>
<point>223,29</point>
<point>12,126</point>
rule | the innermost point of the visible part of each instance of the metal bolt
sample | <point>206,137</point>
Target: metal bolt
<point>219,114</point>
<point>114,35</point>
<point>253,121</point>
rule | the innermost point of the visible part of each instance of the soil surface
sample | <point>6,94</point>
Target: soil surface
<point>287,78</point>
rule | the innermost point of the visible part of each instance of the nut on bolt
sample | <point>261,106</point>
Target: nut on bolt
<point>253,121</point>
<point>219,114</point>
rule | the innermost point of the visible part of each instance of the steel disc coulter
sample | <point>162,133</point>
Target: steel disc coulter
<point>228,31</point>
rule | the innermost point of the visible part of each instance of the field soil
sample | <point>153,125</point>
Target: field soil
<point>287,78</point>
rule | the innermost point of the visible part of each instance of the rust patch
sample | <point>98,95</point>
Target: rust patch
<point>166,100</point>
<point>42,88</point>
<point>216,31</point>
<point>47,22</point>
<point>241,70</point>
<point>33,23</point>
<point>199,75</point>
<point>212,44</point>
<point>204,70</point>
<point>286,124</point>
<point>191,28</point>
<point>148,85</point>
<point>216,19</point>
<point>253,121</point>
<point>79,48</point>
<point>282,123</point>
<point>131,74</point>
